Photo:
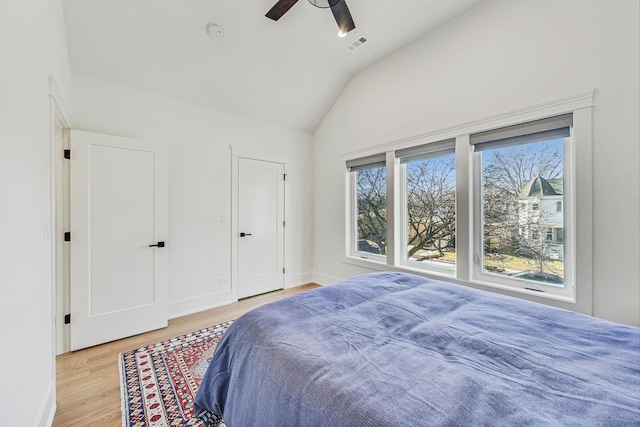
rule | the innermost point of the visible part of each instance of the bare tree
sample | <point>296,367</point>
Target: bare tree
<point>500,218</point>
<point>431,204</point>
<point>372,206</point>
<point>504,176</point>
<point>510,169</point>
<point>533,243</point>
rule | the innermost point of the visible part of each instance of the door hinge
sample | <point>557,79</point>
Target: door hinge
<point>284,175</point>
<point>67,236</point>
<point>67,154</point>
<point>67,319</point>
<point>283,270</point>
<point>283,223</point>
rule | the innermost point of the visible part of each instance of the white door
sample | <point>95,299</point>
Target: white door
<point>118,210</point>
<point>261,227</point>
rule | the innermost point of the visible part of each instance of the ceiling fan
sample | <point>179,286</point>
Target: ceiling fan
<point>338,8</point>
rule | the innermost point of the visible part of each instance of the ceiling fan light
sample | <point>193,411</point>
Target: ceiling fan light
<point>324,4</point>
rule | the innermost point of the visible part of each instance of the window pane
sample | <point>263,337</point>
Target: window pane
<point>431,212</point>
<point>371,210</point>
<point>522,220</point>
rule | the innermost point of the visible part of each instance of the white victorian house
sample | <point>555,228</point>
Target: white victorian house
<point>540,215</point>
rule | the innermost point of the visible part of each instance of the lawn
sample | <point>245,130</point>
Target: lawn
<point>520,263</point>
<point>508,263</point>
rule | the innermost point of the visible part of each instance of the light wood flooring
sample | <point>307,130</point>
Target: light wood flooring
<point>88,384</point>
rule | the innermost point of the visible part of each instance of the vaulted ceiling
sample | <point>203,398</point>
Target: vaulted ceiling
<point>288,72</point>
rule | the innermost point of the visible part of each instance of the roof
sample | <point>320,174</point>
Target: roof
<point>538,187</point>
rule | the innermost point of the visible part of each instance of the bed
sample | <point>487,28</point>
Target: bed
<point>393,349</point>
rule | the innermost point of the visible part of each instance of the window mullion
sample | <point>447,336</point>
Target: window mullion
<point>352,216</point>
<point>580,238</point>
<point>464,238</point>
<point>392,209</point>
<point>402,214</point>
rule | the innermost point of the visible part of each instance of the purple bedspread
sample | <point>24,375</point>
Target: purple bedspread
<point>392,349</point>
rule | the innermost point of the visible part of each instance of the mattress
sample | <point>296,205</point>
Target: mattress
<point>394,349</point>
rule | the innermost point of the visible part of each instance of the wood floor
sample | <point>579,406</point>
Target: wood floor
<point>88,381</point>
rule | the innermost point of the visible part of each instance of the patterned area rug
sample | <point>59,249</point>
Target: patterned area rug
<point>158,383</point>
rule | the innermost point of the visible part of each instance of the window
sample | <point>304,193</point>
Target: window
<point>428,177</point>
<point>549,236</point>
<point>370,208</point>
<point>522,165</point>
<point>492,206</point>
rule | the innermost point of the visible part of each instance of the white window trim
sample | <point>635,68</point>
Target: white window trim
<point>581,200</point>
<point>351,243</point>
<point>565,293</point>
<point>402,213</point>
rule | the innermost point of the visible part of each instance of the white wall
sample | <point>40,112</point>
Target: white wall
<point>502,56</point>
<point>199,141</point>
<point>32,47</point>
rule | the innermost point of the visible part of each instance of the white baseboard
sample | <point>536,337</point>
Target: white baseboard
<point>48,411</point>
<point>293,280</point>
<point>200,303</point>
<point>323,279</point>
<point>205,302</point>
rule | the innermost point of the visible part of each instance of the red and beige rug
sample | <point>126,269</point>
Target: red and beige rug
<point>158,383</point>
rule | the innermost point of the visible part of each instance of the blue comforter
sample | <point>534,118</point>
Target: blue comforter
<point>392,349</point>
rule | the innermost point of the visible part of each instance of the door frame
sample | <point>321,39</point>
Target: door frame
<point>267,156</point>
<point>59,131</point>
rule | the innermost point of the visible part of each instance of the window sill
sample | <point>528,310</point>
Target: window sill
<point>522,291</point>
<point>365,262</point>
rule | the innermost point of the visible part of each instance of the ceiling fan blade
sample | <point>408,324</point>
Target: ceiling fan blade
<point>343,16</point>
<point>280,9</point>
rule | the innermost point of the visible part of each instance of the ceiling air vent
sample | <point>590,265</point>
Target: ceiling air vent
<point>356,44</point>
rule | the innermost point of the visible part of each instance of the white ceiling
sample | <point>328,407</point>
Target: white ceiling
<point>287,73</point>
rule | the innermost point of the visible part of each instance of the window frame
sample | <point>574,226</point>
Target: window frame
<point>352,247</point>
<point>580,199</point>
<point>434,149</point>
<point>566,292</point>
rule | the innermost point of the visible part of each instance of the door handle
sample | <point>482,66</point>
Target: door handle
<point>245,234</point>
<point>157,245</point>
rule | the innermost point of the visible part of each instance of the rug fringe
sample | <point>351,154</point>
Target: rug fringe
<point>123,400</point>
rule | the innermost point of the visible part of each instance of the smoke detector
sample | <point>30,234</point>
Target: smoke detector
<point>214,30</point>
